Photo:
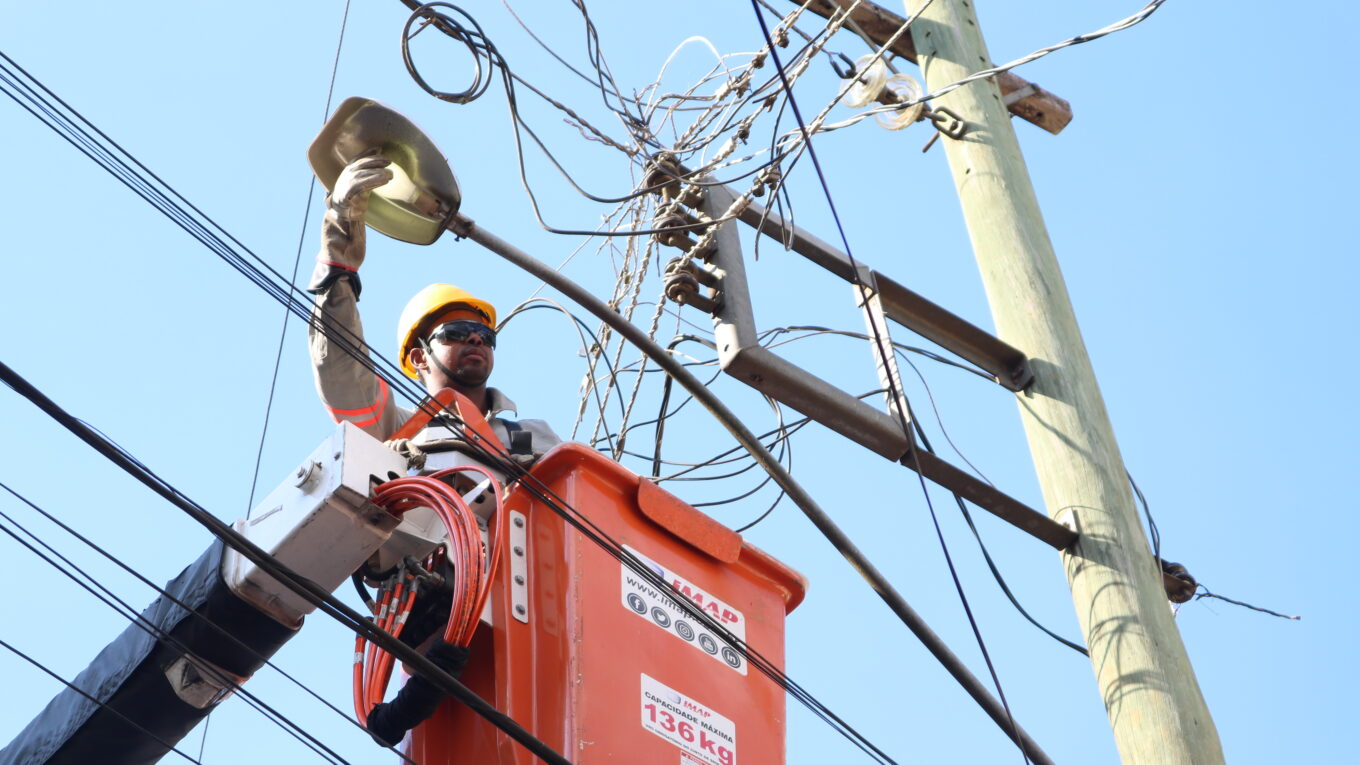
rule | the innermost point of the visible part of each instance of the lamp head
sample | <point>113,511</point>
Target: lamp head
<point>422,195</point>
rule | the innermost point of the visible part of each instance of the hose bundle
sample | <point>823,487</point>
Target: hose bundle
<point>472,567</point>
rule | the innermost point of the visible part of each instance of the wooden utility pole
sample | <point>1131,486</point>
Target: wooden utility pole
<point>1149,689</point>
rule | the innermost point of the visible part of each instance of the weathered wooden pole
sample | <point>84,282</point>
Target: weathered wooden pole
<point>1154,703</point>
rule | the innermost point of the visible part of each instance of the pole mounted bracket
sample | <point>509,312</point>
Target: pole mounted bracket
<point>1007,365</point>
<point>742,356</point>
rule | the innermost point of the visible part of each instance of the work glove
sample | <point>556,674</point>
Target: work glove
<point>418,699</point>
<point>415,456</point>
<point>342,228</point>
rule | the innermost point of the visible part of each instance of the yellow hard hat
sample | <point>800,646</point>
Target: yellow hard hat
<point>431,302</point>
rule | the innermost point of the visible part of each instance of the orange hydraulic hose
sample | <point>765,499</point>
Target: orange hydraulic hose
<point>473,567</point>
<point>360,710</point>
<point>387,616</point>
<point>362,664</point>
<point>380,671</point>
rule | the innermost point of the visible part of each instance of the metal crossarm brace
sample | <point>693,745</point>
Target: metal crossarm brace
<point>1007,365</point>
<point>742,356</point>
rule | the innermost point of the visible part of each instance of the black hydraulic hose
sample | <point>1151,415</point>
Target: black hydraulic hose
<point>307,589</point>
<point>465,227</point>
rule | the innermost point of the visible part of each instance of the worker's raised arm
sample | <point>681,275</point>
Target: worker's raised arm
<point>349,389</point>
<point>340,358</point>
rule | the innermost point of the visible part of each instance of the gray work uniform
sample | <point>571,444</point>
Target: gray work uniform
<point>351,391</point>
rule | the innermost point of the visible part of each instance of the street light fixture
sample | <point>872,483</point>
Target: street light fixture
<point>422,197</point>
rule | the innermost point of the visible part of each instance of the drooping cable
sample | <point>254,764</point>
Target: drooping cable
<point>70,569</point>
<point>834,535</point>
<point>968,516</point>
<point>297,261</point>
<point>1153,533</point>
<point>240,257</point>
<point>67,122</point>
<point>1011,728</point>
<point>103,705</point>
<point>983,74</point>
<point>383,367</point>
<point>485,54</point>
<point>308,590</point>
<point>991,564</point>
<point>170,597</point>
<point>582,329</point>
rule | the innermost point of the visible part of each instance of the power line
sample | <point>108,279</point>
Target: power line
<point>384,368</point>
<point>334,608</point>
<point>983,74</point>
<point>164,593</point>
<point>127,611</point>
<point>1012,728</point>
<point>162,200</point>
<point>102,705</point>
<point>297,260</point>
<point>833,533</point>
<point>322,600</point>
<point>581,330</point>
<point>968,516</point>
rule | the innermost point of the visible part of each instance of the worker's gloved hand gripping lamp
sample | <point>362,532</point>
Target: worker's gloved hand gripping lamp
<point>422,197</point>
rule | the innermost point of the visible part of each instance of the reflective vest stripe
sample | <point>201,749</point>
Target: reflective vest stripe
<point>376,409</point>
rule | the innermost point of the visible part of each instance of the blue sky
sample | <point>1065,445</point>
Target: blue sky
<point>1199,203</point>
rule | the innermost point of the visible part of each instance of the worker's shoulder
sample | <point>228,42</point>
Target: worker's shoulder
<point>540,429</point>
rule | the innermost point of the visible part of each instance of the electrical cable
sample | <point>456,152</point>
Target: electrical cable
<point>1207,594</point>
<point>661,417</point>
<point>991,564</point>
<point>581,330</point>
<point>1153,533</point>
<point>203,742</point>
<point>472,574</point>
<point>804,502</point>
<point>813,330</point>
<point>108,154</point>
<point>475,40</point>
<point>103,705</point>
<point>297,260</point>
<point>335,609</point>
<point>1011,727</point>
<point>939,419</point>
<point>308,590</point>
<point>483,49</point>
<point>127,611</point>
<point>164,593</point>
<point>544,46</point>
<point>332,607</point>
<point>787,431</point>
<point>968,516</point>
<point>466,228</point>
<point>765,514</point>
<point>983,74</point>
<point>784,456</point>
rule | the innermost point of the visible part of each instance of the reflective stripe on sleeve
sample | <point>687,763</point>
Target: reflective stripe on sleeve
<point>370,414</point>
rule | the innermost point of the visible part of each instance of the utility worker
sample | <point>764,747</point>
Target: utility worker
<point>446,338</point>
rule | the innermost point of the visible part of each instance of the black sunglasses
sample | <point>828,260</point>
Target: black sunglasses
<point>460,331</point>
